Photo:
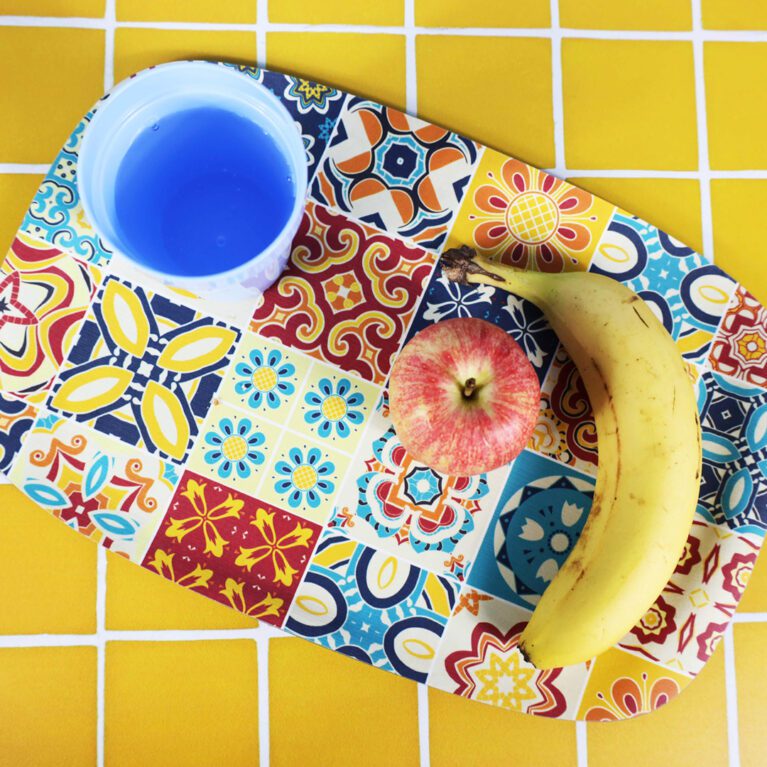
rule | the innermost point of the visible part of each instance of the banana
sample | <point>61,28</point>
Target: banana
<point>649,440</point>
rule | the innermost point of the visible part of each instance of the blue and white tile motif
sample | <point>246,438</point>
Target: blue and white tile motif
<point>687,293</point>
<point>538,520</point>
<point>733,487</point>
<point>522,320</point>
<point>374,607</point>
<point>56,216</point>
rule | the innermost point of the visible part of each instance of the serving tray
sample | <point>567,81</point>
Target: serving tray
<point>245,452</point>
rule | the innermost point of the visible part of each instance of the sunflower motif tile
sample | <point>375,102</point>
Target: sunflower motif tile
<point>372,606</point>
<point>96,485</point>
<point>232,547</point>
<point>740,346</point>
<point>44,294</point>
<point>16,419</point>
<point>537,521</point>
<point>144,369</point>
<point>395,172</point>
<point>478,659</point>
<point>528,218</point>
<point>347,295</point>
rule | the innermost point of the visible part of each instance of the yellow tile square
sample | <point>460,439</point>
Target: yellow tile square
<point>607,14</point>
<point>382,12</point>
<point>629,104</point>
<point>736,110</point>
<point>48,700</point>
<point>136,49</point>
<point>724,14</point>
<point>42,100</point>
<point>327,709</point>
<point>220,12</point>
<point>464,732</point>
<point>673,734</point>
<point>755,596</point>
<point>181,703</point>
<point>16,193</point>
<point>737,207</point>
<point>47,571</point>
<point>671,204</point>
<point>140,600</point>
<point>527,218</point>
<point>367,65</point>
<point>464,84</point>
<point>491,13</point>
<point>69,8</point>
<point>751,674</point>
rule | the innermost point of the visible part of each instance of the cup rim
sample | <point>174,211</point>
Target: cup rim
<point>202,280</point>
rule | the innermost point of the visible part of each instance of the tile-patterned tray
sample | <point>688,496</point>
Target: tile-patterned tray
<point>245,452</point>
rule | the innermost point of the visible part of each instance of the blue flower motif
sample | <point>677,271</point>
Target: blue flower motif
<point>235,447</point>
<point>331,407</point>
<point>325,129</point>
<point>305,479</point>
<point>264,379</point>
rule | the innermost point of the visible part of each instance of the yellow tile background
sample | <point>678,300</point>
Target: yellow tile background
<point>628,104</point>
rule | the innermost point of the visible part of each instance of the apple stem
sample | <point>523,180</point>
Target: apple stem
<point>469,387</point>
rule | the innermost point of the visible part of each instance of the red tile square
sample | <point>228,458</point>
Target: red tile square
<point>233,548</point>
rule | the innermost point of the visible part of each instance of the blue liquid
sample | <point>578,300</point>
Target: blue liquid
<point>201,191</point>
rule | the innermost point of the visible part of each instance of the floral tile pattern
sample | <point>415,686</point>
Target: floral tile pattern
<point>94,484</point>
<point>622,686</point>
<point>372,606</point>
<point>687,293</point>
<point>740,346</point>
<point>347,295</point>
<point>478,659</point>
<point>144,369</point>
<point>537,521</point>
<point>528,218</point>
<point>16,419</point>
<point>683,627</point>
<point>398,173</point>
<point>396,504</point>
<point>44,294</point>
<point>733,489</point>
<point>233,548</point>
<point>56,215</point>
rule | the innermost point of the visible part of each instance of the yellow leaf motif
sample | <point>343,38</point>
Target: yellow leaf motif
<point>126,318</point>
<point>196,579</point>
<point>274,547</point>
<point>197,349</point>
<point>165,419</point>
<point>92,389</point>
<point>204,518</point>
<point>234,593</point>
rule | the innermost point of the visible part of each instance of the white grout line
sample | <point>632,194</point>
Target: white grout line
<point>411,70</point>
<point>731,698</point>
<point>423,725</point>
<point>262,21</point>
<point>24,167</point>
<point>581,743</point>
<point>703,158</point>
<point>750,618</point>
<point>262,648</point>
<point>556,92</point>
<point>101,599</point>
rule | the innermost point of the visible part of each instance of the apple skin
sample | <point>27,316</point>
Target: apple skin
<point>442,427</point>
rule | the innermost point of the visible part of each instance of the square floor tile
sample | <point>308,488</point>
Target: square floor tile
<point>603,14</point>
<point>144,369</point>
<point>527,218</point>
<point>463,83</point>
<point>87,8</point>
<point>16,419</point>
<point>478,659</point>
<point>94,484</point>
<point>395,172</point>
<point>63,69</point>
<point>492,13</point>
<point>48,573</point>
<point>16,192</point>
<point>44,295</point>
<point>51,694</point>
<point>386,12</point>
<point>221,12</point>
<point>751,680</point>
<point>536,524</point>
<point>736,79</point>
<point>325,57</point>
<point>722,14</point>
<point>619,92</point>
<point>192,702</point>
<point>372,606</point>
<point>232,547</point>
<point>396,504</point>
<point>347,295</point>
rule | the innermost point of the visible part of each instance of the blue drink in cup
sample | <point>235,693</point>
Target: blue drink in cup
<point>196,174</point>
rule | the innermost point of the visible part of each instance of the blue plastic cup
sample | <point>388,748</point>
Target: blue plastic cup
<point>244,243</point>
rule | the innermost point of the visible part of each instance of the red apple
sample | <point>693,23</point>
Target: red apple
<point>463,397</point>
